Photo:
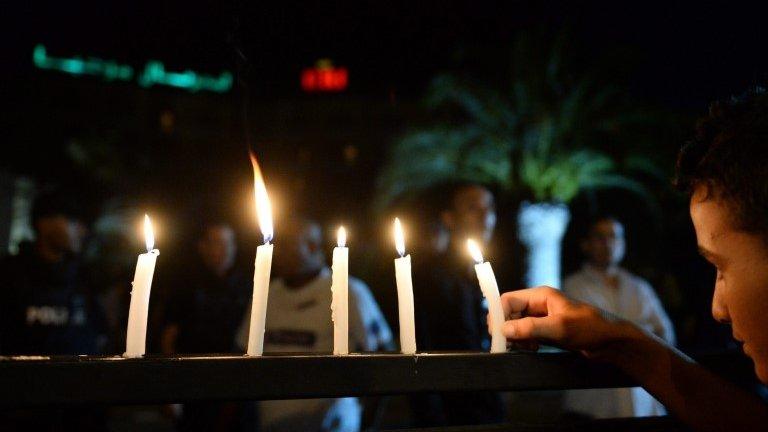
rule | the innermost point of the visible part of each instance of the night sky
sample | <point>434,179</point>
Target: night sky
<point>682,53</point>
<point>674,56</point>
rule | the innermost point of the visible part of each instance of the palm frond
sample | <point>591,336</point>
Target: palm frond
<point>537,137</point>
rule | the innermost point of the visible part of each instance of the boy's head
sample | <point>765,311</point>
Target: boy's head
<point>469,212</point>
<point>301,248</point>
<point>57,223</point>
<point>603,244</point>
<point>217,245</point>
<point>725,170</point>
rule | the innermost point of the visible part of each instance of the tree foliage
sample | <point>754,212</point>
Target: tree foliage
<point>540,137</point>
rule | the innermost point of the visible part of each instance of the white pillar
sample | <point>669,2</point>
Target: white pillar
<point>541,227</point>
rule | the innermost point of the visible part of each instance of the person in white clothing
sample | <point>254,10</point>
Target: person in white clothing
<point>299,320</point>
<point>603,283</point>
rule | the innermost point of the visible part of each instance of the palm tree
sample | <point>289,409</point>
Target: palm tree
<point>534,141</point>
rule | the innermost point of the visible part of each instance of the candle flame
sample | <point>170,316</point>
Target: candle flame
<point>474,250</point>
<point>263,206</point>
<point>399,238</point>
<point>149,234</point>
<point>342,237</point>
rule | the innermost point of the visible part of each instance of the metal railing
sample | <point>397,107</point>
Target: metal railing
<point>40,381</point>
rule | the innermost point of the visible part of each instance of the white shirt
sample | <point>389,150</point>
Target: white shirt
<point>635,301</point>
<point>299,320</point>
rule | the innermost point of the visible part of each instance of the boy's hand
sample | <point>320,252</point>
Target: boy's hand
<point>546,315</point>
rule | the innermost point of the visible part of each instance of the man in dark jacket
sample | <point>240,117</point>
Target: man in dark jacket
<point>47,307</point>
<point>207,301</point>
<point>450,313</point>
<point>46,303</point>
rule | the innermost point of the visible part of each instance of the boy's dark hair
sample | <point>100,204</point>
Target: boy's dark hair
<point>594,220</point>
<point>207,218</point>
<point>201,227</point>
<point>446,193</point>
<point>729,156</point>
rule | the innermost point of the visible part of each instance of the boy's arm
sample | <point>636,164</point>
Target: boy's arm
<point>695,395</point>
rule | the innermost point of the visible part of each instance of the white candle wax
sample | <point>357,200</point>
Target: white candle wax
<point>340,297</point>
<point>490,290</point>
<point>262,269</point>
<point>262,265</point>
<point>405,304</point>
<point>136,337</point>
<point>404,293</point>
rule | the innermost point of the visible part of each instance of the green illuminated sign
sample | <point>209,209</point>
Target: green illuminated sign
<point>154,72</point>
<point>107,69</point>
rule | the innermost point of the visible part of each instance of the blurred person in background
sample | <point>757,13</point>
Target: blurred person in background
<point>603,283</point>
<point>301,287</point>
<point>449,306</point>
<point>47,306</point>
<point>47,302</point>
<point>207,299</point>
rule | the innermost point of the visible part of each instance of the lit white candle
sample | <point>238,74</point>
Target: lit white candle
<point>340,295</point>
<point>490,290</point>
<point>135,340</point>
<point>404,293</point>
<point>262,266</point>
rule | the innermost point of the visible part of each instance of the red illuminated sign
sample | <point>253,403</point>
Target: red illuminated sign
<point>324,77</point>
